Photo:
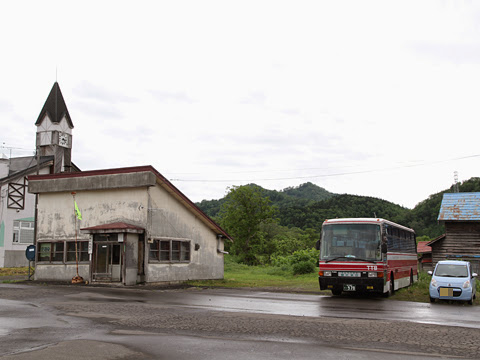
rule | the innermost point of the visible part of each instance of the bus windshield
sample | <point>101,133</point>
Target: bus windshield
<point>350,242</point>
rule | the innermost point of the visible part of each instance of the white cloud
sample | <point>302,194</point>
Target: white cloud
<point>344,94</point>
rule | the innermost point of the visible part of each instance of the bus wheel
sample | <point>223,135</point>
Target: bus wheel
<point>336,292</point>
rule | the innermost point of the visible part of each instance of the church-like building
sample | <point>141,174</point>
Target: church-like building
<point>132,225</point>
<point>53,156</point>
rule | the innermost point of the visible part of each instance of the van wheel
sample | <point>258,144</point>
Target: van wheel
<point>432,300</point>
<point>470,302</point>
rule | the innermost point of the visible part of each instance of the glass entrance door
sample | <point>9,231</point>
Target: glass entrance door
<point>107,261</point>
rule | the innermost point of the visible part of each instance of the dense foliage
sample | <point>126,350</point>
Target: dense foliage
<point>242,215</point>
<point>291,219</point>
<point>301,195</point>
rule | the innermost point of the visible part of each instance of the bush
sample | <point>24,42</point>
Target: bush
<point>297,262</point>
<point>303,267</point>
<point>280,261</point>
<point>310,255</point>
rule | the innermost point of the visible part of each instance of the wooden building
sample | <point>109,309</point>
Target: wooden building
<point>424,256</point>
<point>460,212</point>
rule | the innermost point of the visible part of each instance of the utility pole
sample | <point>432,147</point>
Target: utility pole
<point>455,179</point>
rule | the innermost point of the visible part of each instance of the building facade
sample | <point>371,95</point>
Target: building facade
<point>135,227</point>
<point>53,155</point>
<point>460,212</point>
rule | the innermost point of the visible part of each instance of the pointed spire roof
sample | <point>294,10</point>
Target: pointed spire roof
<point>55,107</point>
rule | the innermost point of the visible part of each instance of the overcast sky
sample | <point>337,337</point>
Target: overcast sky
<point>374,98</point>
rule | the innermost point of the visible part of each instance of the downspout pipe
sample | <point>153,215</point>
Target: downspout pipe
<point>219,242</point>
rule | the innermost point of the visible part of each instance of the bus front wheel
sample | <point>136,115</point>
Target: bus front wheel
<point>391,288</point>
<point>391,291</point>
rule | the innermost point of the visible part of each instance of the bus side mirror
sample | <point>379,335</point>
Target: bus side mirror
<point>384,248</point>
<point>317,244</point>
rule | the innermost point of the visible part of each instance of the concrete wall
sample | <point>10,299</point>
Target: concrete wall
<point>15,258</point>
<point>94,183</point>
<point>153,208</point>
<point>56,220</point>
<point>131,259</point>
<point>10,252</point>
<point>4,166</point>
<point>170,218</point>
<point>59,272</point>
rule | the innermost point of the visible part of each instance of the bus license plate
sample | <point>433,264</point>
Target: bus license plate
<point>348,287</point>
<point>349,274</point>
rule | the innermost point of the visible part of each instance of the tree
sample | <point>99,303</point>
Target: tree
<point>242,215</point>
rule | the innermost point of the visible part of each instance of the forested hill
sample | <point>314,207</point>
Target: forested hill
<point>308,205</point>
<point>300,196</point>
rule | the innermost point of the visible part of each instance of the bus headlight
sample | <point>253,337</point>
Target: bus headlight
<point>372,274</point>
<point>327,273</point>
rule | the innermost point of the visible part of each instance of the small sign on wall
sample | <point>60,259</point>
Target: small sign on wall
<point>90,246</point>
<point>120,237</point>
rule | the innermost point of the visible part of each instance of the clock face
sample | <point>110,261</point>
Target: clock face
<point>63,140</point>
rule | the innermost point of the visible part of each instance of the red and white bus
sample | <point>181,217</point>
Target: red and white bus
<point>366,255</point>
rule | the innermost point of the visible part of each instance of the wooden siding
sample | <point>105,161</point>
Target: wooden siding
<point>462,242</point>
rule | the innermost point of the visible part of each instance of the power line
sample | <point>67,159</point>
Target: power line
<point>326,175</point>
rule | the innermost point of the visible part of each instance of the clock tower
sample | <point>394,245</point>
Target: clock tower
<point>54,131</point>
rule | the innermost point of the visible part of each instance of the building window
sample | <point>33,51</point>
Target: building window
<point>23,232</point>
<point>82,251</point>
<point>50,252</point>
<point>170,251</point>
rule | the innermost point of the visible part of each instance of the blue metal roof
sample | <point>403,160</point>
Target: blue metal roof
<point>460,207</point>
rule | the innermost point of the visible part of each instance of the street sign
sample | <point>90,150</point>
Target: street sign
<point>30,253</point>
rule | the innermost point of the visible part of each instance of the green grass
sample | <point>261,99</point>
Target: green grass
<point>15,271</point>
<point>418,292</point>
<point>277,279</point>
<point>265,277</point>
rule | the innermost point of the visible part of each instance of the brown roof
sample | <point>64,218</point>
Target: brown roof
<point>115,226</point>
<point>441,237</point>
<point>422,247</point>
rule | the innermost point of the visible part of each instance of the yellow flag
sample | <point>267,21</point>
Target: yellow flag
<point>77,212</point>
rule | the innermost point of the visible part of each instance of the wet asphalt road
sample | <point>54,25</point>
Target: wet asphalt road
<point>83,322</point>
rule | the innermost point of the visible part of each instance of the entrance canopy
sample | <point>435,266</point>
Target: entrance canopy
<point>117,227</point>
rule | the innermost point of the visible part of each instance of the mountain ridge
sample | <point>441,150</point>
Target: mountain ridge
<point>308,205</point>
